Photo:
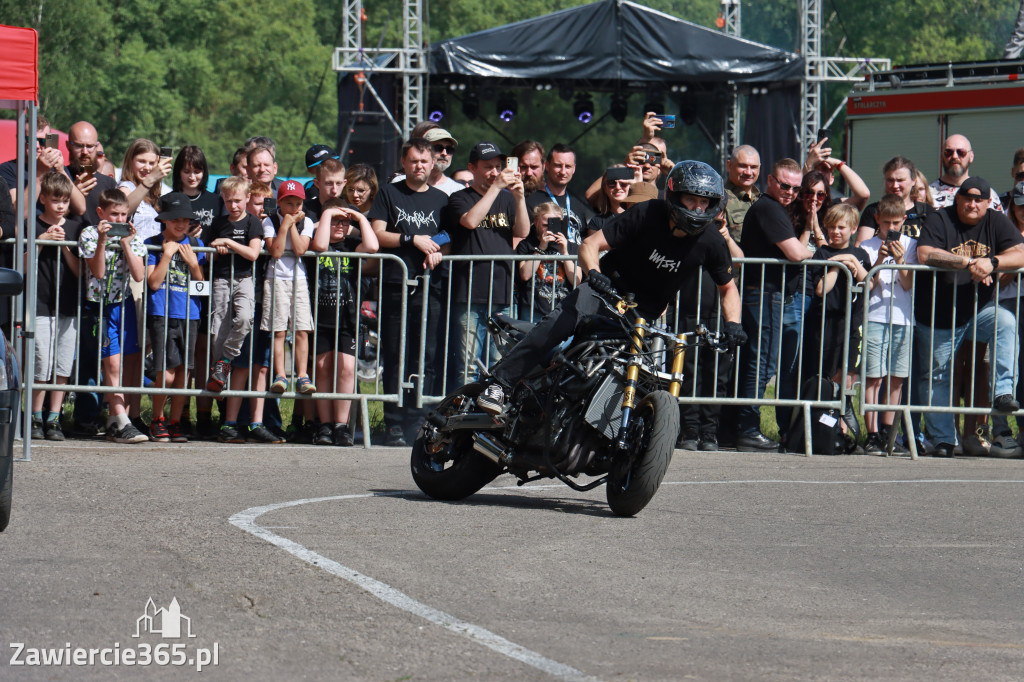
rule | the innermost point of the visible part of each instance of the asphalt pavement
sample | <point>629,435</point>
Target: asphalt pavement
<point>302,562</point>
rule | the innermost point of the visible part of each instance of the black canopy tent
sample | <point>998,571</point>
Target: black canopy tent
<point>612,44</point>
<point>624,47</point>
<point>618,46</point>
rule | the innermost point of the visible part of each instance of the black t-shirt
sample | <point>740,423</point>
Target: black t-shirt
<point>834,302</point>
<point>336,283</point>
<point>915,218</point>
<point>312,208</point>
<point>648,261</point>
<point>599,222</point>
<point>578,210</point>
<point>408,212</point>
<point>9,173</point>
<point>52,267</point>
<point>993,234</point>
<point>92,200</point>
<point>767,223</point>
<point>207,206</point>
<point>549,279</point>
<point>243,231</point>
<point>492,237</point>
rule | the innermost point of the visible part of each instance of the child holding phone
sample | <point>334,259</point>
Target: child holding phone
<point>887,331</point>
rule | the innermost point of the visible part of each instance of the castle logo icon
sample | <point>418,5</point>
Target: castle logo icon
<point>169,623</point>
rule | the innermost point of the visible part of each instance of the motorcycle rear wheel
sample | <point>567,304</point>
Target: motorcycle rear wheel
<point>466,470</point>
<point>629,489</point>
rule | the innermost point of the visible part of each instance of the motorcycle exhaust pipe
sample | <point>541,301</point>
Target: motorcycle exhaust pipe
<point>488,448</point>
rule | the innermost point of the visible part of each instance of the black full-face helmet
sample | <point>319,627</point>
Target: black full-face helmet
<point>701,180</point>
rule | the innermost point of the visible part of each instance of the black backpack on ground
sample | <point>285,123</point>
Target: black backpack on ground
<point>827,437</point>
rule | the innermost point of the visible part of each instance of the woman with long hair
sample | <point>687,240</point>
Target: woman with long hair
<point>609,201</point>
<point>191,174</point>
<point>142,171</point>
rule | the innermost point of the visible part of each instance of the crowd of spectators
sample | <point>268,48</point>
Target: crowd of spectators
<point>260,285</point>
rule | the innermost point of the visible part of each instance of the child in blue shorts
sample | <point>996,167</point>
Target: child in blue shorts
<point>111,261</point>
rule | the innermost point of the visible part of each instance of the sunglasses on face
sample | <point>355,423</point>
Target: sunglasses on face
<point>816,195</point>
<point>617,183</point>
<point>1019,176</point>
<point>974,198</point>
<point>785,186</point>
<point>444,148</point>
<point>962,153</point>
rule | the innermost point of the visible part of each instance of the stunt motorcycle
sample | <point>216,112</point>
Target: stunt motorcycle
<point>601,406</point>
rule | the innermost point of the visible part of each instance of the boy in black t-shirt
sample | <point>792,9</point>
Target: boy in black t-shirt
<point>57,271</point>
<point>333,291</point>
<point>825,322</point>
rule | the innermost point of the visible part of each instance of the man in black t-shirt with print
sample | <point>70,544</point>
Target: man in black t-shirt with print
<point>970,237</point>
<point>653,250</point>
<point>488,218</point>
<point>406,217</point>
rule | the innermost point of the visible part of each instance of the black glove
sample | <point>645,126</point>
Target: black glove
<point>599,282</point>
<point>734,334</point>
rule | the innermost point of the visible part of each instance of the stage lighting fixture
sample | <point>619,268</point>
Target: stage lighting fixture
<point>619,107</point>
<point>436,108</point>
<point>471,105</point>
<point>583,108</point>
<point>507,106</point>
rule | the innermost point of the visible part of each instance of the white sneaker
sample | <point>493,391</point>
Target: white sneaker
<point>492,400</point>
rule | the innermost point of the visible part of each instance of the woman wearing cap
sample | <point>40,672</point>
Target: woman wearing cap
<point>610,201</point>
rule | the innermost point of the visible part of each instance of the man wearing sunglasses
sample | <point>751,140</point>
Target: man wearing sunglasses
<point>1017,173</point>
<point>768,232</point>
<point>957,157</point>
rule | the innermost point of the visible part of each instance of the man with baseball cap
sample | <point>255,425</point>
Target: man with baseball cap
<point>315,155</point>
<point>484,220</point>
<point>970,238</point>
<point>443,147</point>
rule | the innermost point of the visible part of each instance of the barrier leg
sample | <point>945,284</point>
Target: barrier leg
<point>364,414</point>
<point>908,428</point>
<point>807,429</point>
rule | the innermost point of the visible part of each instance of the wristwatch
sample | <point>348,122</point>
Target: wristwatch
<point>994,261</point>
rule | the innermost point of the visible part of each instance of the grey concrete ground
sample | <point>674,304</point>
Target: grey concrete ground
<point>744,567</point>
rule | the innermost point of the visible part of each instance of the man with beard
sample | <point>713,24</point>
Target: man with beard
<point>443,147</point>
<point>559,169</point>
<point>957,157</point>
<point>743,168</point>
<point>531,164</point>
<point>83,145</point>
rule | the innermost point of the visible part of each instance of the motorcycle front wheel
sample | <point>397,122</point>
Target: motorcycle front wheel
<point>463,470</point>
<point>631,485</point>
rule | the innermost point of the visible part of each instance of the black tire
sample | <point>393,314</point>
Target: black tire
<point>6,479</point>
<point>464,473</point>
<point>630,489</point>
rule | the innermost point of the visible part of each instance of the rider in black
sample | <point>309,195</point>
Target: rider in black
<point>653,249</point>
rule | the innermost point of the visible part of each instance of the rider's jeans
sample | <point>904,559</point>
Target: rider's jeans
<point>993,322</point>
<point>762,321</point>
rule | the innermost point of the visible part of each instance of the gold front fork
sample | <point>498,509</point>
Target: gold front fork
<point>676,385</point>
<point>633,371</point>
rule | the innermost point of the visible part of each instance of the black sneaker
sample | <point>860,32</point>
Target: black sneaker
<point>126,434</point>
<point>261,434</point>
<point>492,400</point>
<point>343,436</point>
<point>37,429</point>
<point>708,444</point>
<point>688,441</point>
<point>324,435</point>
<point>396,438</point>
<point>1005,403</point>
<point>207,429</point>
<point>230,434</point>
<point>874,445</point>
<point>53,430</point>
<point>944,450</point>
<point>141,426</point>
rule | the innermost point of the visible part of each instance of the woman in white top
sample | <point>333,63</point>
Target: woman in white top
<point>141,173</point>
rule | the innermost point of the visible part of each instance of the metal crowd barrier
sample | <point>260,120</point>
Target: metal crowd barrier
<point>79,383</point>
<point>413,370</point>
<point>922,343</point>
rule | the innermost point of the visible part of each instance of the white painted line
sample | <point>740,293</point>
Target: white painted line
<point>246,520</point>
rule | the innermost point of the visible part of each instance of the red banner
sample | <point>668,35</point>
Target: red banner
<point>19,64</point>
